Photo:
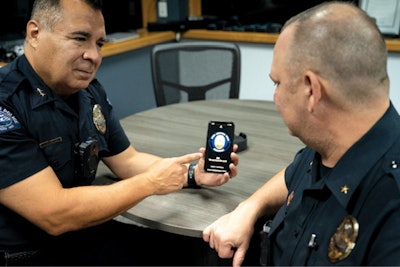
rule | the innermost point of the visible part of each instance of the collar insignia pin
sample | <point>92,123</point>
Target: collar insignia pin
<point>41,92</point>
<point>344,189</point>
<point>394,164</point>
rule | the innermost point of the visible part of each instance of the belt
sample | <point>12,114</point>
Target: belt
<point>2,258</point>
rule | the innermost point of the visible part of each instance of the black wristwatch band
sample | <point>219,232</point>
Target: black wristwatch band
<point>190,177</point>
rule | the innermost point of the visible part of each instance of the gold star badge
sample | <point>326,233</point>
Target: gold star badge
<point>344,189</point>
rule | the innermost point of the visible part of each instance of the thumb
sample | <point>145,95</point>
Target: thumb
<point>206,233</point>
<point>238,257</point>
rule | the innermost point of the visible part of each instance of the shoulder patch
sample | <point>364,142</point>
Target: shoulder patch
<point>8,122</point>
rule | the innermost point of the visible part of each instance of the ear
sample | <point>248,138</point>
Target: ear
<point>314,89</point>
<point>32,32</point>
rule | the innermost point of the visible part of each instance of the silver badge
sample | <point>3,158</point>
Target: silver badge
<point>98,119</point>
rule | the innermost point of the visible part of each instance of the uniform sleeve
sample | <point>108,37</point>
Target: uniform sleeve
<point>385,250</point>
<point>20,155</point>
<point>117,139</point>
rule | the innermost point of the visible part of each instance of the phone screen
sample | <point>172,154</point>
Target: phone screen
<point>219,146</point>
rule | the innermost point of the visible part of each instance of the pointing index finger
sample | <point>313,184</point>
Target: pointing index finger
<point>188,158</point>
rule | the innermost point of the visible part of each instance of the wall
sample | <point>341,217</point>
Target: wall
<point>127,80</point>
<point>254,80</point>
<point>256,61</point>
<point>127,77</point>
<point>394,71</point>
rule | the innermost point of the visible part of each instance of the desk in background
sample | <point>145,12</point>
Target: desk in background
<point>178,129</point>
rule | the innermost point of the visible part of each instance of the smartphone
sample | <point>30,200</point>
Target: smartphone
<point>219,146</point>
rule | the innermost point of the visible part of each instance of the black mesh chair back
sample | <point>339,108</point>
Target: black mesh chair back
<point>189,71</point>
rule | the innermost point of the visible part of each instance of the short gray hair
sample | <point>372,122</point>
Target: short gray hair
<point>343,45</point>
<point>49,12</point>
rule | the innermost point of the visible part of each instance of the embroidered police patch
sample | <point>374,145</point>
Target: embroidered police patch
<point>8,121</point>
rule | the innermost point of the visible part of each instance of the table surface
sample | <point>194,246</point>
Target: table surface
<point>178,129</point>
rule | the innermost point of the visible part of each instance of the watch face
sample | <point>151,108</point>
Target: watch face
<point>191,179</point>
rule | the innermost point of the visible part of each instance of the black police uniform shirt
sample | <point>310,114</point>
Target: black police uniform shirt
<point>39,129</point>
<point>364,185</point>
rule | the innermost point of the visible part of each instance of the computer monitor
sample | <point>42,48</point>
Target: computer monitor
<point>122,15</point>
<point>14,14</point>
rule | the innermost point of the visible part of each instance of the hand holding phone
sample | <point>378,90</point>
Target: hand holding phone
<point>219,146</point>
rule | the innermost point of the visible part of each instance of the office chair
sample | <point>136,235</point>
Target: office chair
<point>189,71</point>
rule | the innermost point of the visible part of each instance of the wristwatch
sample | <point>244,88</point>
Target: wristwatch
<point>190,177</point>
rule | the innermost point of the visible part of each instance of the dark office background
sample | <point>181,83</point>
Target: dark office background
<point>124,15</point>
<point>120,15</point>
<point>13,17</point>
<point>257,11</point>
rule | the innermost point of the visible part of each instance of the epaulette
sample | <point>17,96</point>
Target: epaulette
<point>10,80</point>
<point>392,163</point>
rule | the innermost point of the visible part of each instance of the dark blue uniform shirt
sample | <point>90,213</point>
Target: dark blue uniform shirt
<point>39,129</point>
<point>363,184</point>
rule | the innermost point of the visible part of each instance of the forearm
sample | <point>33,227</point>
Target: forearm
<point>82,207</point>
<point>57,210</point>
<point>130,163</point>
<point>267,199</point>
<point>230,235</point>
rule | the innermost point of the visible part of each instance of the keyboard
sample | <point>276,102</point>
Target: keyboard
<point>121,36</point>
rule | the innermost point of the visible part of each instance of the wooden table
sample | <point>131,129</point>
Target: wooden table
<point>178,129</point>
